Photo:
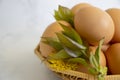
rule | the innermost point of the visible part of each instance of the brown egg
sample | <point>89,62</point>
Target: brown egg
<point>93,24</point>
<point>79,6</point>
<point>113,58</point>
<point>84,69</point>
<point>105,47</point>
<point>50,32</point>
<point>115,14</point>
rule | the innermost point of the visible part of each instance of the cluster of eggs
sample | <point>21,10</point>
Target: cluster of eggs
<point>93,24</point>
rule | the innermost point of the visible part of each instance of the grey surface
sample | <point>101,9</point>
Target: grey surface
<point>22,22</point>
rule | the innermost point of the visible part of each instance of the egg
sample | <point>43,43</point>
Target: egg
<point>113,58</point>
<point>84,69</point>
<point>115,14</point>
<point>93,24</point>
<point>105,47</point>
<point>79,6</point>
<point>50,32</point>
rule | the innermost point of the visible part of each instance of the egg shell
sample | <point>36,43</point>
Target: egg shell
<point>115,14</point>
<point>105,47</point>
<point>113,58</point>
<point>79,6</point>
<point>50,32</point>
<point>93,24</point>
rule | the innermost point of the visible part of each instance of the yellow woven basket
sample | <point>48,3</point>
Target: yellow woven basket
<point>70,74</point>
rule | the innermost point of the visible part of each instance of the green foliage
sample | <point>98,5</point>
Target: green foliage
<point>65,14</point>
<point>60,55</point>
<point>52,42</point>
<point>71,33</point>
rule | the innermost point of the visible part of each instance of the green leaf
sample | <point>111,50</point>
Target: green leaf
<point>69,42</point>
<point>102,73</point>
<point>65,14</point>
<point>97,52</point>
<point>75,43</point>
<point>71,33</point>
<point>97,55</point>
<point>78,60</point>
<point>52,42</point>
<point>72,53</point>
<point>92,71</point>
<point>103,70</point>
<point>93,61</point>
<point>62,54</point>
<point>100,77</point>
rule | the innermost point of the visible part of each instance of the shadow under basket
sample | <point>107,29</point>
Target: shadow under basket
<point>71,74</point>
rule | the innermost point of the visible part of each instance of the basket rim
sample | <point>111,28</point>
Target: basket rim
<point>71,72</point>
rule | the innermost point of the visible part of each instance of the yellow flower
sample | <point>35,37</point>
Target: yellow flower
<point>61,65</point>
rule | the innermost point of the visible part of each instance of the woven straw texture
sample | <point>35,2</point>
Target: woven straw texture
<point>73,75</point>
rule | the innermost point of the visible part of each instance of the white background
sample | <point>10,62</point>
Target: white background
<point>22,22</point>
